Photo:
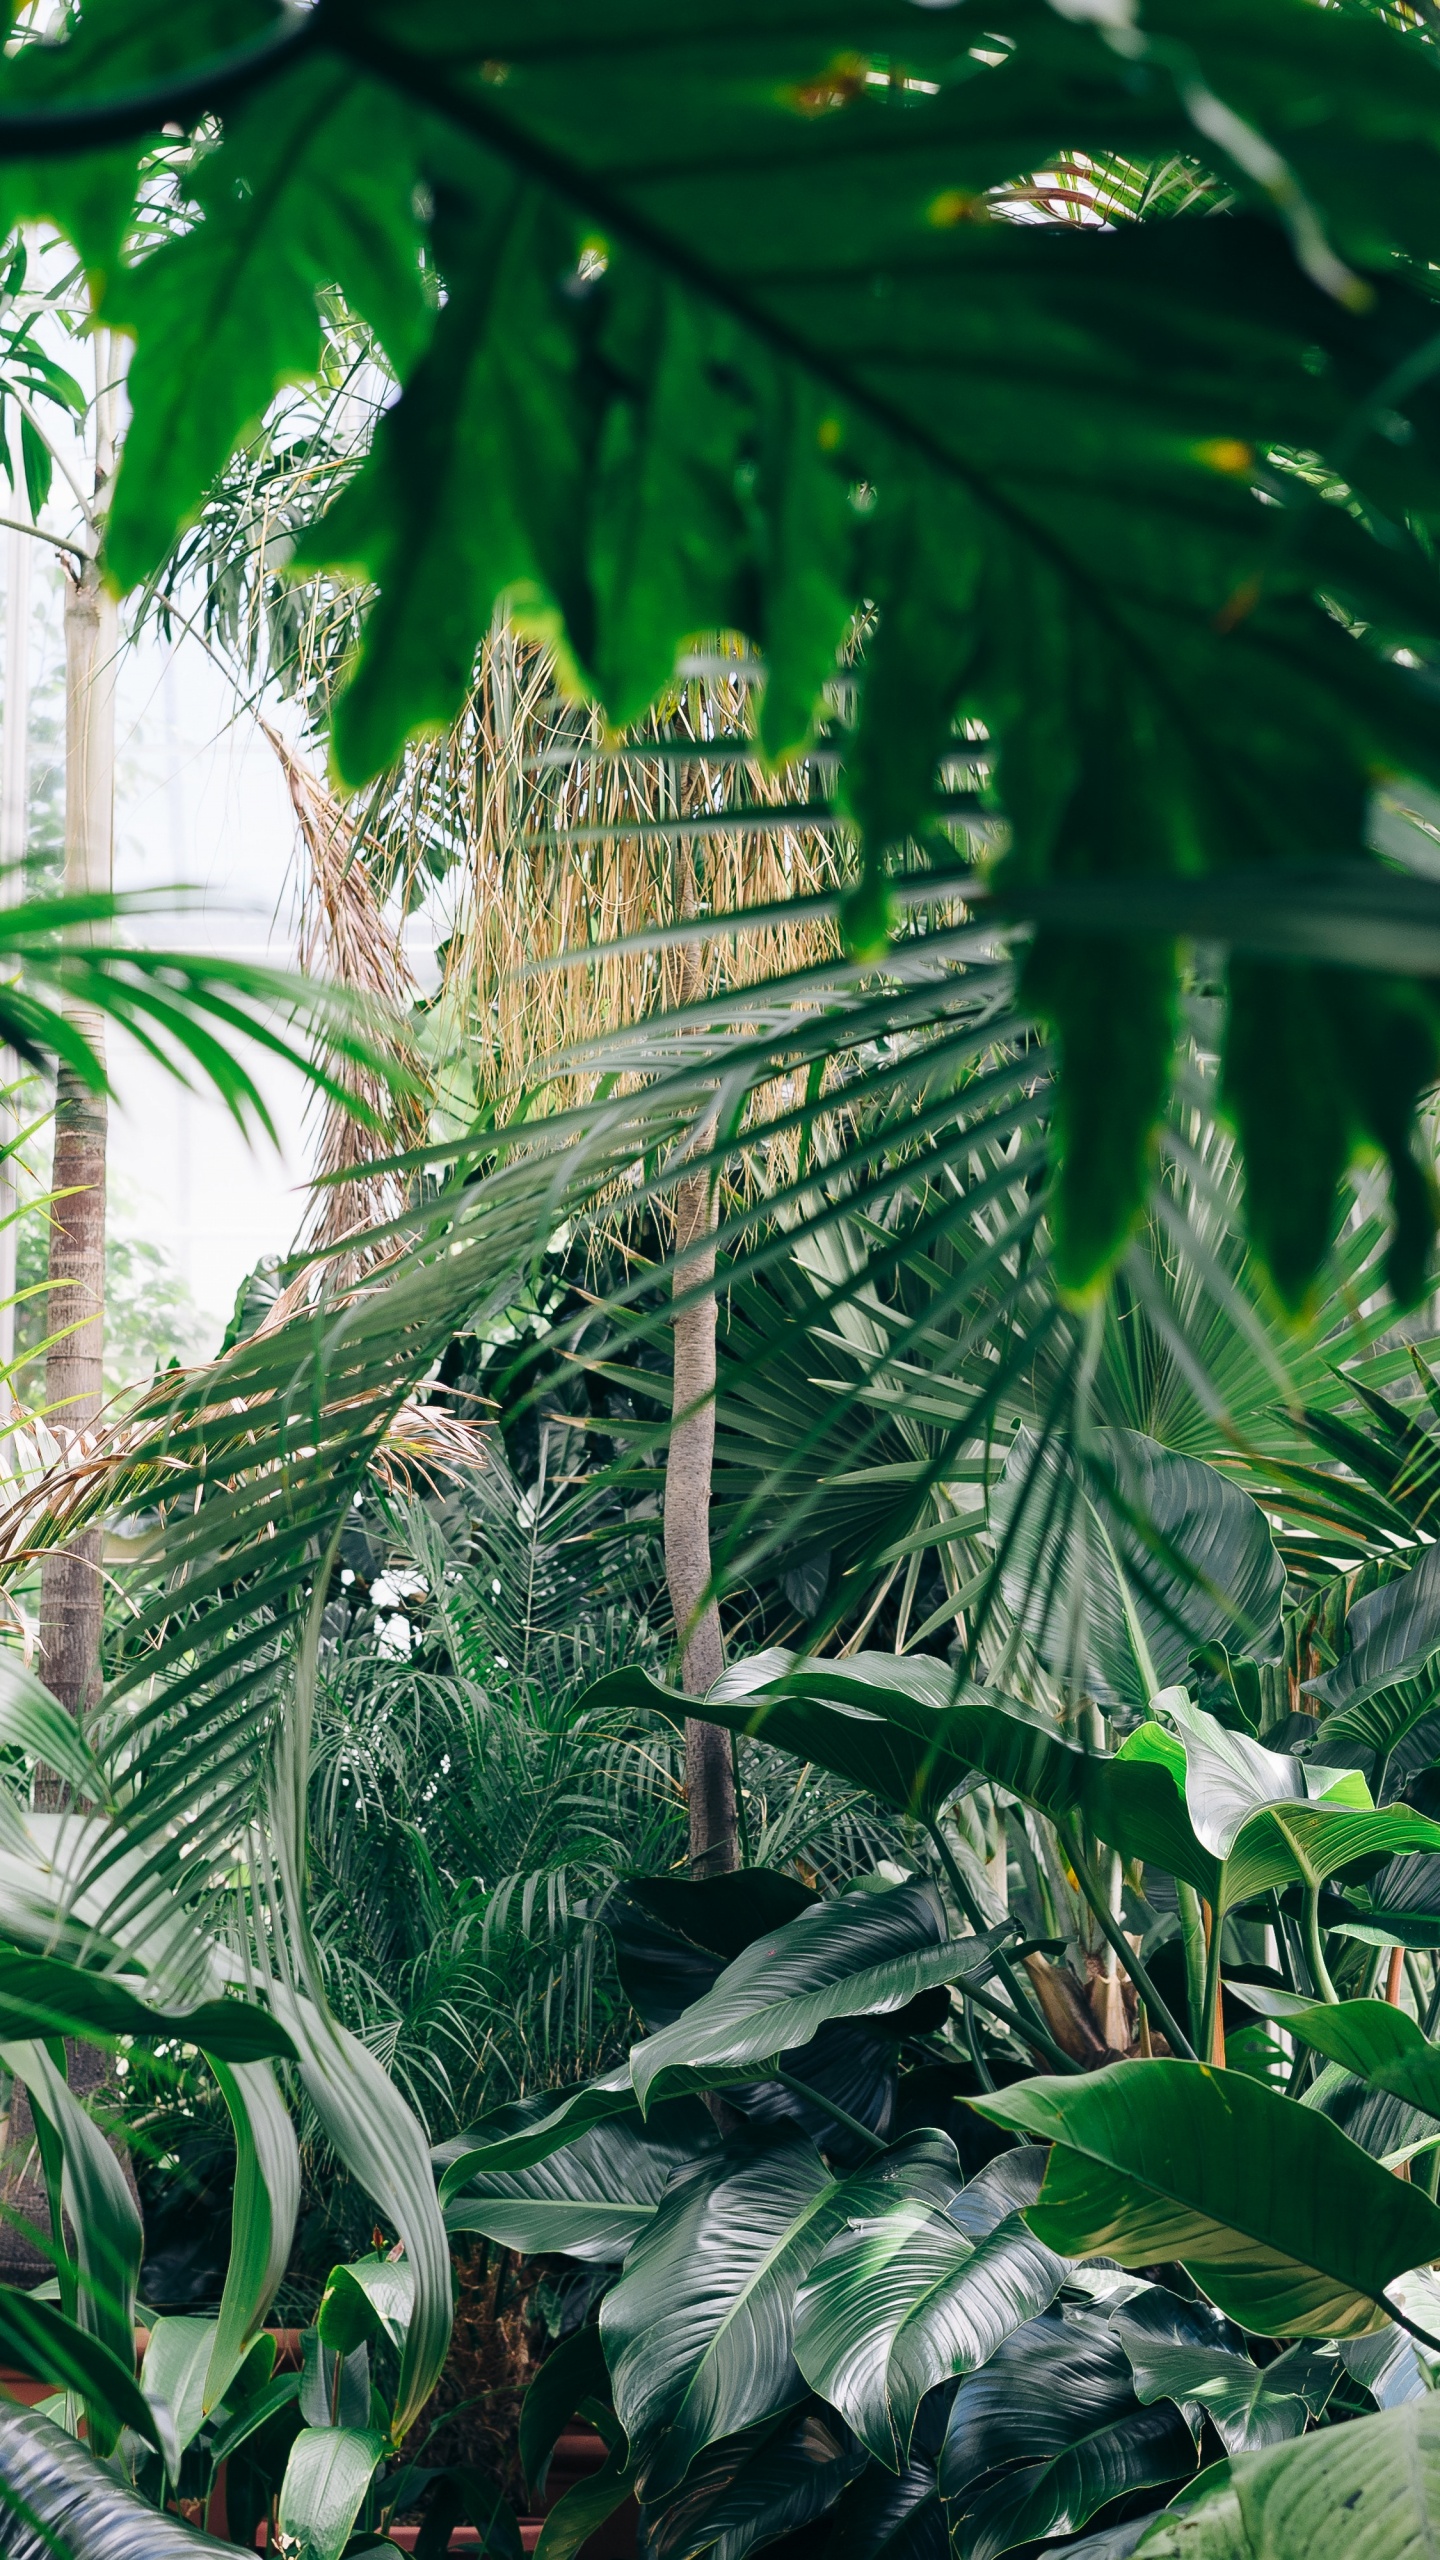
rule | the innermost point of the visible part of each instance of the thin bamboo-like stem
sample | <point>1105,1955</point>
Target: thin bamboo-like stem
<point>1210,2015</point>
<point>976,1917</point>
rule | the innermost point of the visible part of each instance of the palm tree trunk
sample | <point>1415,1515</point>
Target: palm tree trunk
<point>709,1768</point>
<point>71,1589</point>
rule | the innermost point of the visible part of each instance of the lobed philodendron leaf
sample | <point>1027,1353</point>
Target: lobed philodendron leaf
<point>1286,2224</point>
<point>854,1956</point>
<point>1139,1561</point>
<point>698,2332</point>
<point>923,2282</point>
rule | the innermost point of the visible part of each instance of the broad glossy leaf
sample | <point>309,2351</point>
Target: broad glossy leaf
<point>1375,2042</point>
<point>593,2199</point>
<point>889,2518</point>
<point>529,2129</point>
<point>176,2361</point>
<point>384,2147</point>
<point>368,2298</point>
<point>573,2371</point>
<point>1391,1635</point>
<point>38,2338</point>
<point>262,2216</point>
<point>854,1956</point>
<point>922,2283</point>
<point>326,2477</point>
<point>1371,2487</point>
<point>42,1996</point>
<point>103,2214</point>
<point>1388,2364</point>
<point>585,2506</point>
<point>755,2488</point>
<point>56,2496</point>
<point>1249,2405</point>
<point>1289,2227</point>
<point>1398,1907</point>
<point>698,2332</point>
<point>1050,2431</point>
<point>1151,1555</point>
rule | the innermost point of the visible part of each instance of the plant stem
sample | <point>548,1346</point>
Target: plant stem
<point>977,2050</point>
<point>978,1922</point>
<point>1137,1971</point>
<point>1038,2038</point>
<point>1211,2001</point>
<point>827,2106</point>
<point>1314,1950</point>
<point>1192,1933</point>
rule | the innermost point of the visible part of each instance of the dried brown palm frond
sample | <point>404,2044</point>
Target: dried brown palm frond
<point>346,937</point>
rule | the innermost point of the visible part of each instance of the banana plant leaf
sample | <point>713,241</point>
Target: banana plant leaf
<point>1149,1556</point>
<point>855,1956</point>
<point>1376,2043</point>
<point>905,2297</point>
<point>594,2199</point>
<point>263,2214</point>
<point>1399,1907</point>
<point>699,2330</point>
<point>58,2501</point>
<point>1290,2228</point>
<point>1185,2352</point>
<point>1268,1820</point>
<point>1372,2487</point>
<point>1050,2431</point>
<point>755,2488</point>
<point>39,2338</point>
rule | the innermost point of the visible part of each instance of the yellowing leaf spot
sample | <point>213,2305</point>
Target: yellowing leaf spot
<point>1225,453</point>
<point>955,205</point>
<point>839,86</point>
<point>828,435</point>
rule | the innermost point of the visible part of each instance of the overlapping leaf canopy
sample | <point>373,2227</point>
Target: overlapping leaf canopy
<point>728,337</point>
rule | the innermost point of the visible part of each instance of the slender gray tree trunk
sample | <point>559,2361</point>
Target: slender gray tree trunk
<point>71,1586</point>
<point>709,1767</point>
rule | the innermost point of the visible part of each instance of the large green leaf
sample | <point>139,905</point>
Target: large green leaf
<point>755,2488</point>
<point>529,2129</point>
<point>1049,2431</point>
<point>1138,1559</point>
<point>369,2298</point>
<point>40,1996</point>
<point>573,2371</point>
<point>1376,2042</point>
<point>102,2211</point>
<point>698,2332</point>
<point>39,2339</point>
<point>262,2217</point>
<point>855,1956</point>
<point>176,2362</point>
<point>56,2496</point>
<point>1392,1635</point>
<point>592,2199</point>
<point>1182,2351</point>
<point>326,2477</point>
<point>1289,2227</point>
<point>923,2282</point>
<point>1373,2487</point>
